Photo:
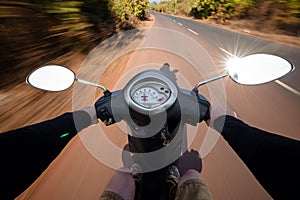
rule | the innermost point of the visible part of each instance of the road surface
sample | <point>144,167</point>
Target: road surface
<point>273,107</point>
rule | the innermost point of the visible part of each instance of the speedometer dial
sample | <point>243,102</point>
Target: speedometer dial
<point>150,92</point>
<point>150,97</point>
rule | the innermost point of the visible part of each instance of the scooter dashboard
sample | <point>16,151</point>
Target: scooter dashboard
<point>150,91</point>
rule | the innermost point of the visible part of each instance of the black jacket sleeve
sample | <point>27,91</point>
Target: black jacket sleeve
<point>26,152</point>
<point>273,159</point>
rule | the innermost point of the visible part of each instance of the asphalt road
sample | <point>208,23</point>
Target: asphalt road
<point>271,106</point>
<point>194,50</point>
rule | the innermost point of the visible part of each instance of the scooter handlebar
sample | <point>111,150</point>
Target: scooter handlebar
<point>194,107</point>
<point>203,108</point>
<point>188,103</point>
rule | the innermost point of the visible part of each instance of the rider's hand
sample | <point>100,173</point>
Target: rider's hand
<point>191,159</point>
<point>216,112</point>
<point>92,113</point>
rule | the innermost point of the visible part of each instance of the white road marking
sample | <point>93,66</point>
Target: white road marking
<point>193,31</point>
<point>180,24</point>
<point>174,20</point>
<point>289,88</point>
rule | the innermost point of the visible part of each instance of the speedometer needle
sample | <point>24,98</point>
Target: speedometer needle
<point>144,98</point>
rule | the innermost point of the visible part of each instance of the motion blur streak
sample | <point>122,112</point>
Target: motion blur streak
<point>39,32</point>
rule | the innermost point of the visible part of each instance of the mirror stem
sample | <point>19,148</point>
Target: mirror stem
<point>210,80</point>
<point>91,83</point>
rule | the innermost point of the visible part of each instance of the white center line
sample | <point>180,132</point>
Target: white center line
<point>289,88</point>
<point>180,24</point>
<point>193,31</point>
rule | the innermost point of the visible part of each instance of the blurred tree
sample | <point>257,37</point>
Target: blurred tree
<point>218,9</point>
<point>33,32</point>
<point>276,14</point>
<point>126,9</point>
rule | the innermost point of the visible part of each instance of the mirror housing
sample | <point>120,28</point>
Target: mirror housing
<point>51,78</point>
<point>257,68</point>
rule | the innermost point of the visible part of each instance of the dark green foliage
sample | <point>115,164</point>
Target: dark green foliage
<point>34,32</point>
<point>226,9</point>
<point>219,9</point>
<point>125,9</point>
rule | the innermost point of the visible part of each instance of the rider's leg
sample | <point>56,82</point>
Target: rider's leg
<point>120,186</point>
<point>189,175</point>
<point>192,186</point>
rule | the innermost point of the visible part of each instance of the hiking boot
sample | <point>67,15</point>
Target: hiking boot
<point>136,172</point>
<point>173,175</point>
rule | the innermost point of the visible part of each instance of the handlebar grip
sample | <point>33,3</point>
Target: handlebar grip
<point>104,111</point>
<point>203,108</point>
<point>194,107</point>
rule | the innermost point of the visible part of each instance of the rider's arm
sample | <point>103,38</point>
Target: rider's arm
<point>26,152</point>
<point>273,159</point>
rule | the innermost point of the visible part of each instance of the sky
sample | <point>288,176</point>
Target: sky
<point>157,1</point>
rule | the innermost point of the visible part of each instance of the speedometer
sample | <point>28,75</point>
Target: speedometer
<point>151,96</point>
<point>150,92</point>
